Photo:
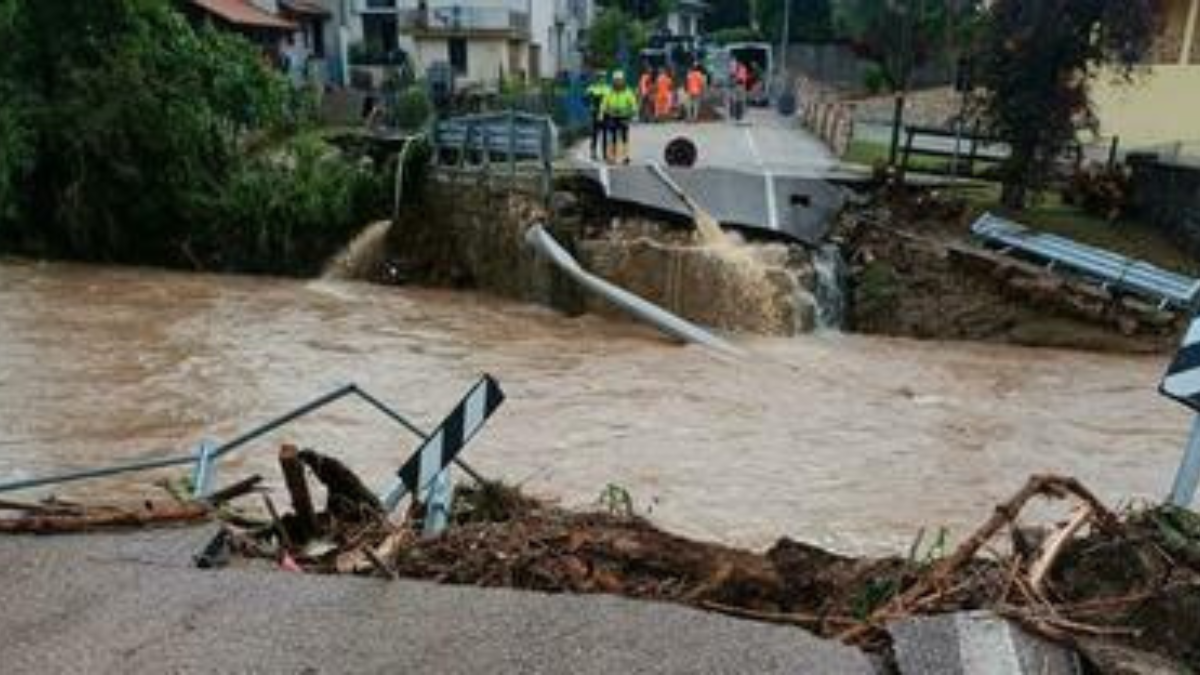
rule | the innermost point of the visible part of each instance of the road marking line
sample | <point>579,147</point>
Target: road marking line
<point>772,201</point>
<point>753,147</point>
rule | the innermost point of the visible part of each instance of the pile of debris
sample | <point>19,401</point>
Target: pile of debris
<point>1119,589</point>
<point>915,272</point>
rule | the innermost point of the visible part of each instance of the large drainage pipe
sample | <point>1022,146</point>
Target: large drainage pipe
<point>540,240</point>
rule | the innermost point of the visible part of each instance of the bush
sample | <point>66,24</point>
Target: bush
<point>137,144</point>
<point>1100,191</point>
<point>612,29</point>
<point>874,80</point>
<point>413,108</point>
<point>288,211</point>
<point>741,34</point>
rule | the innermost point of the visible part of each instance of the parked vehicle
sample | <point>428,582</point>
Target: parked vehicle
<point>759,57</point>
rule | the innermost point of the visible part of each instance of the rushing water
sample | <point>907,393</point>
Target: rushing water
<point>842,440</point>
<point>830,269</point>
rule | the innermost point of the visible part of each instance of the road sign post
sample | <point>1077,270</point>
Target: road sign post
<point>1182,383</point>
<point>1188,476</point>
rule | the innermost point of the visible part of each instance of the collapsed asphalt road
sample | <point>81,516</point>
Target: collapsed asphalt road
<point>131,603</point>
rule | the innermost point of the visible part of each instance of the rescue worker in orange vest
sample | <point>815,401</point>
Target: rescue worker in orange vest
<point>664,90</point>
<point>620,107</point>
<point>696,84</point>
<point>645,97</point>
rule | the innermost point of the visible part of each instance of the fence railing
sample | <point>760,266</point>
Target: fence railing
<point>206,456</point>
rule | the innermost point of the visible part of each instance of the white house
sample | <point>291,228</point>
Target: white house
<point>686,17</point>
<point>483,40</point>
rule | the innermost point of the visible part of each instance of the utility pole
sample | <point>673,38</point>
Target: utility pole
<point>787,36</point>
<point>905,62</point>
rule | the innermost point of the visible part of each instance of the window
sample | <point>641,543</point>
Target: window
<point>381,32</point>
<point>458,55</point>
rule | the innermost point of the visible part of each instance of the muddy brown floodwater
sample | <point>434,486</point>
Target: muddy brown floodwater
<point>845,441</point>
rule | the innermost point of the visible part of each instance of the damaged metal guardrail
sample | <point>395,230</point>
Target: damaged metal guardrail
<point>1164,288</point>
<point>513,137</point>
<point>437,451</point>
<point>543,243</point>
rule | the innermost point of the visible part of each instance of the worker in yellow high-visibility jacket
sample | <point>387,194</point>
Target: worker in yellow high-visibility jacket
<point>619,108</point>
<point>596,93</point>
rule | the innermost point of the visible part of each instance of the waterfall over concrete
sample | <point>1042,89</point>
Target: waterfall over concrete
<point>830,269</point>
<point>362,256</point>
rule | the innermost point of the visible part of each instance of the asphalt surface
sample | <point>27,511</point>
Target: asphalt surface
<point>132,604</point>
<point>763,143</point>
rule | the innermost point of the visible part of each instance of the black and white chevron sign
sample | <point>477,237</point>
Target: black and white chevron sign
<point>1182,382</point>
<point>444,444</point>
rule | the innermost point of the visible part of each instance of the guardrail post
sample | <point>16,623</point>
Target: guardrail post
<point>486,160</point>
<point>512,146</point>
<point>438,504</point>
<point>205,471</point>
<point>547,159</point>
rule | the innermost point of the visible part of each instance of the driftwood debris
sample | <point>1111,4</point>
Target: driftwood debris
<point>99,518</point>
<point>234,491</point>
<point>305,521</point>
<point>349,498</point>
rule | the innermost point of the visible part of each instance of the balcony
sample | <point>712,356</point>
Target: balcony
<point>466,21</point>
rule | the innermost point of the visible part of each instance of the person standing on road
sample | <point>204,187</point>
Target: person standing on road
<point>664,89</point>
<point>696,84</point>
<point>737,98</point>
<point>645,94</point>
<point>619,108</point>
<point>597,91</point>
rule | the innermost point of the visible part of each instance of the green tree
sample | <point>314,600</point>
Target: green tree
<point>131,119</point>
<point>725,15</point>
<point>14,133</point>
<point>612,30</point>
<point>642,10</point>
<point>811,20</point>
<point>900,36</point>
<point>1036,62</point>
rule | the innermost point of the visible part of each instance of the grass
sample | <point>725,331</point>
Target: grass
<point>871,153</point>
<point>1130,237</point>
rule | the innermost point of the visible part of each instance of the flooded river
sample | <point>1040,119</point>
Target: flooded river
<point>846,441</point>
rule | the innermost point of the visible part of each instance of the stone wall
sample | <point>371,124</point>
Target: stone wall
<point>468,235</point>
<point>763,289</point>
<point>1168,195</point>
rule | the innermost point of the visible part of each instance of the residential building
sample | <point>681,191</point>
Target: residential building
<point>560,28</point>
<point>291,31</point>
<point>1162,104</point>
<point>484,41</point>
<point>686,18</point>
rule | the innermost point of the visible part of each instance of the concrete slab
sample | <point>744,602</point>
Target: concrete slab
<point>792,207</point>
<point>766,174</point>
<point>764,142</point>
<point>975,643</point>
<point>110,604</point>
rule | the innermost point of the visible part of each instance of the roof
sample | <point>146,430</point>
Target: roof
<point>242,13</point>
<point>304,7</point>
